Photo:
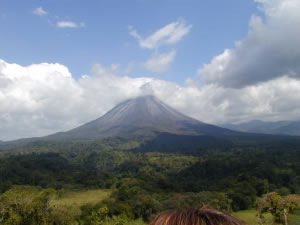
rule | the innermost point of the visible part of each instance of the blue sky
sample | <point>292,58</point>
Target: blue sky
<point>28,38</point>
<point>64,63</point>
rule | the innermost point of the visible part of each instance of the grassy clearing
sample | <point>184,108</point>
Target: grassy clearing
<point>72,198</point>
<point>294,219</point>
<point>68,206</point>
<point>249,216</point>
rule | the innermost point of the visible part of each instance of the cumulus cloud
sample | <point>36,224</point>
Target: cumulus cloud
<point>270,50</point>
<point>41,99</point>
<point>39,11</point>
<point>160,63</point>
<point>31,98</point>
<point>258,79</point>
<point>167,35</point>
<point>69,24</point>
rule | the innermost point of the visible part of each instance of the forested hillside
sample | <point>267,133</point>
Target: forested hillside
<point>145,183</point>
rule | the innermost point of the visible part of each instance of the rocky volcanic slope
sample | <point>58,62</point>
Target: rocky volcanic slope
<point>141,116</point>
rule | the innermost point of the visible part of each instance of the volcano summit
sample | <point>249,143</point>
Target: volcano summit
<point>141,116</point>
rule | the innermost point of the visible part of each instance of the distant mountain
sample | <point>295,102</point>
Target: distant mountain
<point>140,117</point>
<point>257,126</point>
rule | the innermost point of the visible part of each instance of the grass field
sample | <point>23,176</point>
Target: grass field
<point>72,198</point>
<point>294,219</point>
<point>67,207</point>
<point>249,216</point>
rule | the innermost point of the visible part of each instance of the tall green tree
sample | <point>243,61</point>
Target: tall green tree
<point>26,206</point>
<point>278,206</point>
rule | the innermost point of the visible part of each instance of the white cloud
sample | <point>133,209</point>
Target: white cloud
<point>258,79</point>
<point>69,24</point>
<point>160,63</point>
<point>270,50</point>
<point>167,35</point>
<point>44,98</point>
<point>39,11</point>
<point>31,98</point>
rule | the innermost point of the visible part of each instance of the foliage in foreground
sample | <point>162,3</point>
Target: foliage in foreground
<point>127,205</point>
<point>145,183</point>
<point>24,205</point>
<point>278,206</point>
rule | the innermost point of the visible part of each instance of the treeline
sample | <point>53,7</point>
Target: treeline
<point>239,175</point>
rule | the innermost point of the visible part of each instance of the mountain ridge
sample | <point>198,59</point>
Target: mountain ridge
<point>284,127</point>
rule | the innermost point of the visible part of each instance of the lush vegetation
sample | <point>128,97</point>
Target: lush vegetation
<point>141,183</point>
<point>78,198</point>
<point>250,216</point>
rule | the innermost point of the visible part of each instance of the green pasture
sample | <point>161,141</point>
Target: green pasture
<point>249,216</point>
<point>76,198</point>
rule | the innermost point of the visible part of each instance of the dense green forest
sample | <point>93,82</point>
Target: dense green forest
<point>146,182</point>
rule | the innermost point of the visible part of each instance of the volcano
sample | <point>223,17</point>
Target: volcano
<point>155,126</point>
<point>143,117</point>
